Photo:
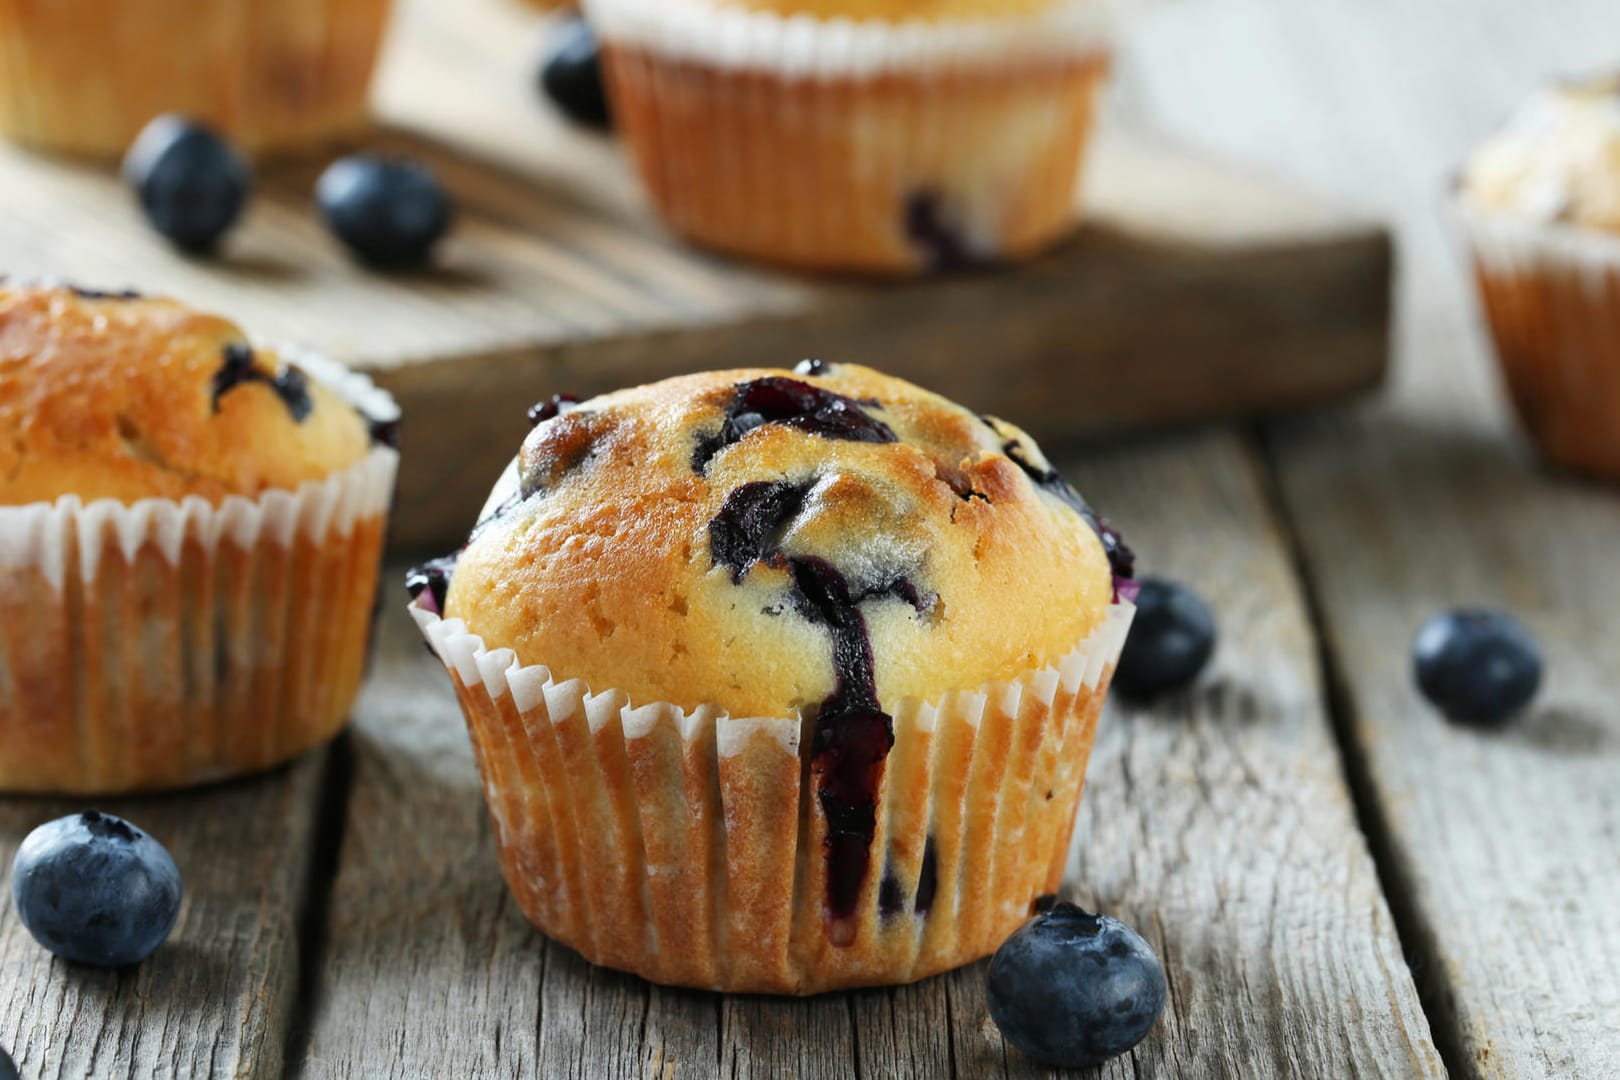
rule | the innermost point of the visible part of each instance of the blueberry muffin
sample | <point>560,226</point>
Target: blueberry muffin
<point>1540,202</point>
<point>878,136</point>
<point>84,76</point>
<point>190,532</point>
<point>780,682</point>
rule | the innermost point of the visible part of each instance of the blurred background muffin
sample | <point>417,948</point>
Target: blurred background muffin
<point>1540,201</point>
<point>190,534</point>
<point>882,137</point>
<point>83,76</point>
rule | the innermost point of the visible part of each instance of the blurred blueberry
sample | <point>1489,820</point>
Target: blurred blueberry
<point>389,213</point>
<point>1171,639</point>
<point>1477,667</point>
<point>572,75</point>
<point>191,183</point>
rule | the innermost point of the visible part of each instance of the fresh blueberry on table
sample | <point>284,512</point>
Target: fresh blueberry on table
<point>8,1068</point>
<point>191,183</point>
<point>94,889</point>
<point>1074,989</point>
<point>572,75</point>
<point>1477,667</point>
<point>388,212</point>
<point>1171,639</point>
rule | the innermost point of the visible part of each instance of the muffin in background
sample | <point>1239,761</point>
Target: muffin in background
<point>191,528</point>
<point>1540,204</point>
<point>881,137</point>
<point>780,682</point>
<point>84,76</point>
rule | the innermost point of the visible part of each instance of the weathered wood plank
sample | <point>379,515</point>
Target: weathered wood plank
<point>216,1000</point>
<point>1502,845</point>
<point>1219,824</point>
<point>428,967</point>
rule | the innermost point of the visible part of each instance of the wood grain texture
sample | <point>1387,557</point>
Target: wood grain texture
<point>217,999</point>
<point>1501,845</point>
<point>1198,288</point>
<point>1218,823</point>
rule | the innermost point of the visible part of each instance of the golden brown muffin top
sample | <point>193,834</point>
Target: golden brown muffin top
<point>897,10</point>
<point>1557,160</point>
<point>114,396</point>
<point>768,542</point>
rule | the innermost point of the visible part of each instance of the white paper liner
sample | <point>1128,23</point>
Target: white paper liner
<point>803,46</point>
<point>169,642</point>
<point>686,845</point>
<point>1515,243</point>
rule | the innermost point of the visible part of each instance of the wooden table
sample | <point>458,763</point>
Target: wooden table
<point>1338,882</point>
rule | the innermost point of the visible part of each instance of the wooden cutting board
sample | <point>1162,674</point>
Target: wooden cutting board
<point>1196,287</point>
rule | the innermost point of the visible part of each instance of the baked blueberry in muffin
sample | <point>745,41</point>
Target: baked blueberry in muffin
<point>822,654</point>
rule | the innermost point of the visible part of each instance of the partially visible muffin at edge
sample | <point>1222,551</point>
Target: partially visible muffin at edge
<point>825,593</point>
<point>110,396</point>
<point>1539,201</point>
<point>190,536</point>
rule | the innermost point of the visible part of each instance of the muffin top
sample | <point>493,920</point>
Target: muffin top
<point>1557,160</point>
<point>768,541</point>
<point>115,396</point>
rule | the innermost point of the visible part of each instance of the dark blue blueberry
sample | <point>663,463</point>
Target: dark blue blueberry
<point>384,432</point>
<point>1073,989</point>
<point>1477,667</point>
<point>429,583</point>
<point>191,183</point>
<point>934,235</point>
<point>550,410</point>
<point>290,384</point>
<point>388,213</point>
<point>572,75</point>
<point>8,1068</point>
<point>791,403</point>
<point>1171,640</point>
<point>94,889</point>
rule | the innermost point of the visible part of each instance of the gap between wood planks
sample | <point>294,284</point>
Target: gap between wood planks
<point>1412,927</point>
<point>331,820</point>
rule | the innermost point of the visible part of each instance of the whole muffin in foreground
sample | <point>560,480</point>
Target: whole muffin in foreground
<point>889,138</point>
<point>190,534</point>
<point>822,658</point>
<point>1540,203</point>
<point>84,76</point>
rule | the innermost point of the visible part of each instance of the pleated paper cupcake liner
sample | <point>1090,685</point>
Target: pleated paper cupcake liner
<point>857,145</point>
<point>166,643</point>
<point>688,846</point>
<point>84,76</point>
<point>1551,294</point>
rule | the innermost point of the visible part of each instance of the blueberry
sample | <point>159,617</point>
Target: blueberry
<point>94,889</point>
<point>1478,667</point>
<point>1171,640</point>
<point>191,183</point>
<point>8,1068</point>
<point>389,213</point>
<point>1074,989</point>
<point>572,75</point>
